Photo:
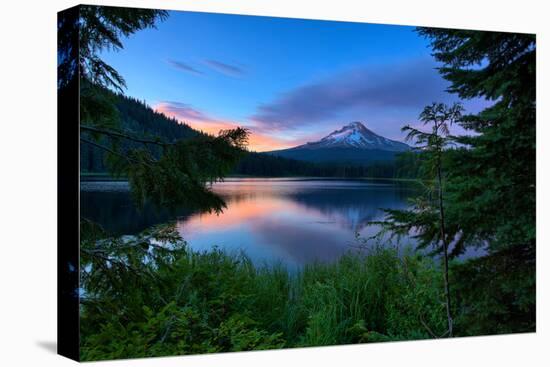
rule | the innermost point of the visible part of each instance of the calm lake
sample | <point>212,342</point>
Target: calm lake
<point>289,220</point>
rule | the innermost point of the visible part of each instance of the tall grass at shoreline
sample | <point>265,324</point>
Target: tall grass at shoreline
<point>184,302</point>
<point>150,295</point>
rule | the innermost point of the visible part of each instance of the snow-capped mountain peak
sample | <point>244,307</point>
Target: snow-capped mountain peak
<point>356,135</point>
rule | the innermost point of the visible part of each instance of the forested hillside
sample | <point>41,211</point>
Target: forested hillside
<point>138,118</point>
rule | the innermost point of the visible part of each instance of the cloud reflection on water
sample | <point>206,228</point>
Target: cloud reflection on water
<point>294,222</point>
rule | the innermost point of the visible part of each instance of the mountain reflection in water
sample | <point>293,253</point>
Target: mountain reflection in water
<point>291,221</point>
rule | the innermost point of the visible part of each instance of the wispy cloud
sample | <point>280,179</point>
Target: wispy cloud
<point>182,111</point>
<point>218,66</point>
<point>364,91</point>
<point>184,67</point>
<point>224,68</point>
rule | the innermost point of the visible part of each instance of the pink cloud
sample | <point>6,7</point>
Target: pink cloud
<point>258,141</point>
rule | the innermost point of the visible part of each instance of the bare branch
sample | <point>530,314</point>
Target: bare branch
<point>109,150</point>
<point>103,147</point>
<point>118,134</point>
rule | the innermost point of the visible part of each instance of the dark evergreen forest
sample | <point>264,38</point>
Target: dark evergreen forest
<point>139,119</point>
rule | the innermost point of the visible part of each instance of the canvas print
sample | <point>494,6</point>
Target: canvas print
<point>249,183</point>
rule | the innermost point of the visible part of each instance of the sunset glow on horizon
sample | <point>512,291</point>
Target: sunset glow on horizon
<point>257,142</point>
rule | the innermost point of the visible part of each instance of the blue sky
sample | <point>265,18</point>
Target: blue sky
<point>288,80</point>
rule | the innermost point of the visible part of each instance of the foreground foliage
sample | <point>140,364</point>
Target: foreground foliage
<point>150,295</point>
<point>486,185</point>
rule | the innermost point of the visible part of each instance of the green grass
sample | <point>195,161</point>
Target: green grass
<point>212,302</point>
<point>143,300</point>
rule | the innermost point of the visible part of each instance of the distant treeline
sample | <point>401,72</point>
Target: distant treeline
<point>138,118</point>
<point>406,165</point>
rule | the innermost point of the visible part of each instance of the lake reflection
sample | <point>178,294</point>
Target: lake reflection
<point>292,221</point>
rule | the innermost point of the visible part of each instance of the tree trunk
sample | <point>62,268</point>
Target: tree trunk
<point>445,248</point>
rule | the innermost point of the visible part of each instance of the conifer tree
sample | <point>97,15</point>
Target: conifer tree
<point>426,217</point>
<point>169,173</point>
<point>491,183</point>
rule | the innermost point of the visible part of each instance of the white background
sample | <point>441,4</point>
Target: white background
<point>28,182</point>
